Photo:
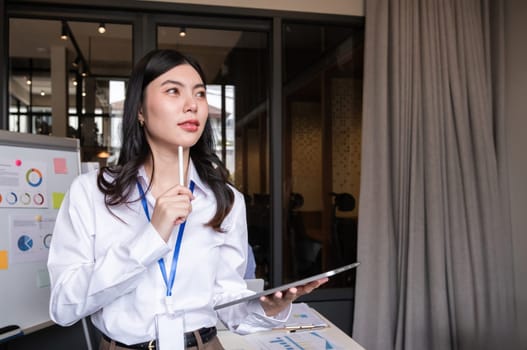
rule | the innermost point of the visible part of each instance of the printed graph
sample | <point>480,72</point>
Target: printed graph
<point>296,341</point>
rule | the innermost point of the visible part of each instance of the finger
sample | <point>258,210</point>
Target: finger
<point>291,294</point>
<point>172,201</point>
<point>183,218</point>
<point>177,190</point>
<point>320,282</point>
<point>315,284</point>
<point>270,299</point>
<point>170,211</point>
<point>186,209</point>
<point>309,287</point>
<point>173,212</point>
<point>276,296</point>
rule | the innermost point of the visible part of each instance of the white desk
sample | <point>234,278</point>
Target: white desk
<point>233,341</point>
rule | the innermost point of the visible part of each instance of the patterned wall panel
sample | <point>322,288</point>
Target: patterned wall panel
<point>346,110</point>
<point>307,153</point>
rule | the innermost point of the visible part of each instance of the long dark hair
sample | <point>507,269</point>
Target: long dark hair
<point>122,177</point>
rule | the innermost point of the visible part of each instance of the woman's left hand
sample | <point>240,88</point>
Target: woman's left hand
<point>275,303</point>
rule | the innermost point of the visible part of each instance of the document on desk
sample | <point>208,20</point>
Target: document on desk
<point>305,340</point>
<point>302,317</point>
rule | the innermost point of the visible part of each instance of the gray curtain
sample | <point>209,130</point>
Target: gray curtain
<point>434,231</point>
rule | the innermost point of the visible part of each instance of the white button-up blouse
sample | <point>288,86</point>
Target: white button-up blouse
<point>105,264</point>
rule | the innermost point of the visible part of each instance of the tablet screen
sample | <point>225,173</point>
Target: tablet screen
<point>289,285</point>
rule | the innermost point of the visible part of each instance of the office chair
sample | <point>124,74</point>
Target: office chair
<point>305,251</point>
<point>344,229</point>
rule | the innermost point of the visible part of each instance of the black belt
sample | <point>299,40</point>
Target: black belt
<point>206,335</point>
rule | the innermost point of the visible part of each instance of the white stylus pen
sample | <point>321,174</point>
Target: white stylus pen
<point>181,171</point>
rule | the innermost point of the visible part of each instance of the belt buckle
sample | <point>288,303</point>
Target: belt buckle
<point>151,345</point>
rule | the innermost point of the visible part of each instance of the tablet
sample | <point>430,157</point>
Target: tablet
<point>289,285</point>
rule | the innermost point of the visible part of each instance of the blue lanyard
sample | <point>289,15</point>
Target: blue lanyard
<point>168,282</point>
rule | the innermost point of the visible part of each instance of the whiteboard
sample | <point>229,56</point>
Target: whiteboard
<point>35,173</point>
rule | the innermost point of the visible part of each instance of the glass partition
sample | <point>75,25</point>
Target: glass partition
<point>323,99</point>
<point>60,77</point>
<point>75,87</point>
<point>236,65</point>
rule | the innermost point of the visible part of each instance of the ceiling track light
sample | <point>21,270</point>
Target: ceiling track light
<point>79,63</point>
<point>182,32</point>
<point>64,31</point>
<point>102,28</point>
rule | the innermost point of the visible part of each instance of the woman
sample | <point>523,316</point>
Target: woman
<point>142,253</point>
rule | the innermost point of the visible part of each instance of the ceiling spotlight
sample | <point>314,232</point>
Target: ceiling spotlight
<point>182,32</point>
<point>64,31</point>
<point>102,28</point>
<point>28,81</point>
<point>42,93</point>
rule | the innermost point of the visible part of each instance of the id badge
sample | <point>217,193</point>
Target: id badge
<point>170,331</point>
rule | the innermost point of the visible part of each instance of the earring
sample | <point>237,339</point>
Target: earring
<point>141,122</point>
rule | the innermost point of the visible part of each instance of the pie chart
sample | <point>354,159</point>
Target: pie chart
<point>25,243</point>
<point>34,177</point>
<point>47,240</point>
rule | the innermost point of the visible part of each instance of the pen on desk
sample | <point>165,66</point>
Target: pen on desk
<point>294,329</point>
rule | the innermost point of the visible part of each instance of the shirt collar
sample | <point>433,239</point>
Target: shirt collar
<point>142,177</point>
<point>192,175</point>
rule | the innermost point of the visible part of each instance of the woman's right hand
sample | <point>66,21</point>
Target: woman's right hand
<point>171,209</point>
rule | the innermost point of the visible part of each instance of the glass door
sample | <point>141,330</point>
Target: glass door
<point>236,66</point>
<point>67,78</point>
<point>323,117</point>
